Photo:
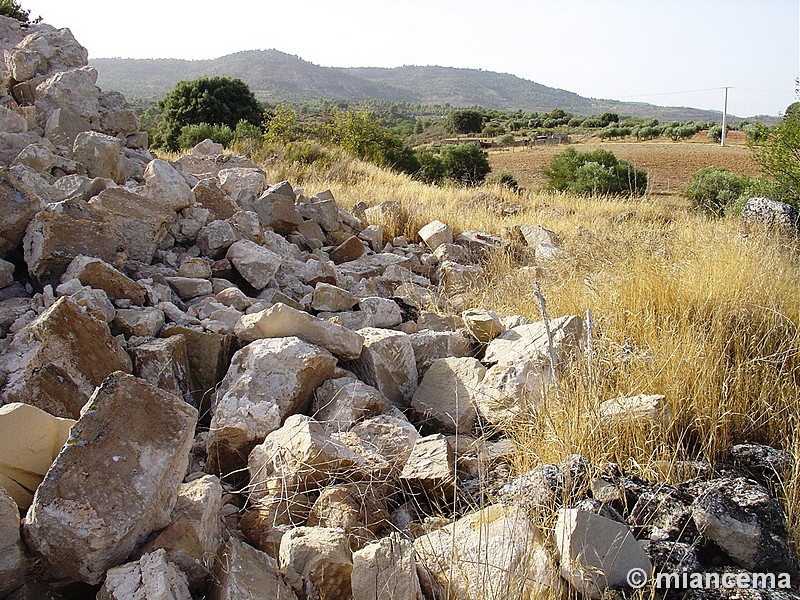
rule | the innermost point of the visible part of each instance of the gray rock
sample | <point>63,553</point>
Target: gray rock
<point>151,577</point>
<point>12,557</point>
<point>244,573</point>
<point>256,264</point>
<point>764,213</point>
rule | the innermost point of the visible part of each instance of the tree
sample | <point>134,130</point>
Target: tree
<point>281,128</point>
<point>211,100</point>
<point>594,173</point>
<point>12,8</point>
<point>465,163</point>
<point>465,121</point>
<point>778,153</point>
<point>712,189</point>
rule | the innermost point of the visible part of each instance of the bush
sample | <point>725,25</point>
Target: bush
<point>712,189</point>
<point>191,135</point>
<point>594,173</point>
<point>12,9</point>
<point>465,163</point>
<point>431,167</point>
<point>465,121</point>
<point>281,126</point>
<point>506,179</point>
<point>778,153</point>
<point>506,140</point>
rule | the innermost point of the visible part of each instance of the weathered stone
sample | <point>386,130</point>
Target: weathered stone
<point>373,235</point>
<point>219,204</point>
<point>190,287</point>
<point>323,211</point>
<point>197,268</point>
<point>188,224</point>
<point>215,238</point>
<point>195,532</point>
<point>73,91</point>
<point>430,346</point>
<point>165,363</point>
<point>6,273</point>
<point>381,313</point>
<point>341,403</point>
<point>64,125</point>
<point>275,208</point>
<point>279,321</point>
<point>741,517</point>
<point>479,243</point>
<point>57,361</point>
<point>769,214</point>
<point>268,518</point>
<point>299,456</point>
<point>18,205</point>
<point>244,573</point>
<point>492,554</point>
<point>389,214</point>
<point>243,185</point>
<point>483,325</point>
<point>255,398</point>
<point>139,322</point>
<point>126,455</point>
<point>357,508</point>
<point>256,264</point>
<point>387,363</point>
<point>96,302</point>
<point>100,154</point>
<point>30,440</point>
<point>641,409</point>
<point>430,468</point>
<point>317,562</point>
<point>312,233</point>
<point>152,577</point>
<point>235,298</point>
<point>596,553</point>
<point>98,274</point>
<point>444,397</point>
<point>329,297</point>
<point>371,265</point>
<point>12,557</point>
<point>436,233</point>
<point>386,569</point>
<point>117,118</point>
<point>455,278</point>
<point>391,438</point>
<point>46,50</point>
<point>349,250</point>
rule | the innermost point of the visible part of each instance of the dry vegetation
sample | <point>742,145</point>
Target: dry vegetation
<point>682,305</point>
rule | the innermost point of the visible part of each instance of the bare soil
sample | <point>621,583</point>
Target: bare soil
<point>669,164</point>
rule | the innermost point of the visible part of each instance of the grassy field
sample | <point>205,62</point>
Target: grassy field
<point>683,306</point>
<point>669,164</point>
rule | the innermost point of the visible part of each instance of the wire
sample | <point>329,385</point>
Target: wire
<point>673,93</point>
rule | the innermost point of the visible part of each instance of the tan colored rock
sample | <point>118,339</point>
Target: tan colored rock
<point>348,250</point>
<point>152,577</point>
<point>166,186</point>
<point>493,554</point>
<point>387,363</point>
<point>195,268</point>
<point>430,468</point>
<point>255,398</point>
<point>74,91</point>
<point>445,396</point>
<point>596,553</point>
<point>216,238</point>
<point>12,557</point>
<point>317,562</point>
<point>243,184</point>
<point>299,456</point>
<point>483,325</point>
<point>644,408</point>
<point>100,154</point>
<point>255,263</point>
<point>455,278</point>
<point>383,444</point>
<point>30,440</point>
<point>195,532</point>
<point>381,313</point>
<point>331,298</point>
<point>357,508</point>
<point>140,321</point>
<point>244,573</point>
<point>268,518</point>
<point>43,51</point>
<point>57,361</point>
<point>18,205</point>
<point>280,320</point>
<point>373,235</point>
<point>324,211</point>
<point>165,363</point>
<point>218,203</point>
<point>98,274</point>
<point>126,455</point>
<point>341,403</point>
<point>430,346</point>
<point>389,214</point>
<point>436,233</point>
<point>386,569</point>
<point>188,288</point>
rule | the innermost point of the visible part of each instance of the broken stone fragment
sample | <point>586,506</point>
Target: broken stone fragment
<point>275,209</point>
<point>244,573</point>
<point>152,576</point>
<point>436,233</point>
<point>255,263</point>
<point>386,568</point>
<point>317,562</point>
<point>18,205</point>
<point>126,455</point>
<point>98,274</point>
<point>267,381</point>
<point>165,363</point>
<point>331,298</point>
<point>349,250</point>
<point>444,398</point>
<point>12,558</point>
<point>357,508</point>
<point>341,403</point>
<point>100,154</point>
<point>483,325</point>
<point>430,469</point>
<point>139,321</point>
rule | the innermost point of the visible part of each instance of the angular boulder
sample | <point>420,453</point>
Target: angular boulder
<point>115,481</point>
<point>12,557</point>
<point>386,569</point>
<point>244,573</point>
<point>445,396</point>
<point>165,363</point>
<point>98,274</point>
<point>317,562</point>
<point>18,205</point>
<point>258,265</point>
<point>436,233</point>
<point>152,576</point>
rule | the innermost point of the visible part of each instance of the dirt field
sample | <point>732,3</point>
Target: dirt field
<point>669,164</point>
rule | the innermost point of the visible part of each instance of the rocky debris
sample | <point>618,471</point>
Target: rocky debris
<point>258,265</point>
<point>596,553</point>
<point>349,250</point>
<point>386,569</point>
<point>165,363</point>
<point>357,508</point>
<point>244,573</point>
<point>769,214</point>
<point>56,362</point>
<point>430,346</point>
<point>98,274</point>
<point>444,398</point>
<point>19,204</point>
<point>276,208</point>
<point>30,440</point>
<point>388,364</point>
<point>269,517</point>
<point>254,399</point>
<point>136,439</point>
<point>331,298</point>
<point>436,233</point>
<point>493,553</point>
<point>636,410</point>
<point>430,468</point>
<point>483,325</point>
<point>341,403</point>
<point>152,576</point>
<point>12,556</point>
<point>317,562</point>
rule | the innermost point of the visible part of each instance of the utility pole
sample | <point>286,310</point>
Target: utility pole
<point>724,118</point>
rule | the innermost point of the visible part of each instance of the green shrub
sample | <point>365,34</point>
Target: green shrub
<point>778,153</point>
<point>506,140</point>
<point>431,166</point>
<point>191,135</point>
<point>12,9</point>
<point>594,173</point>
<point>712,189</point>
<point>506,179</point>
<point>465,121</point>
<point>465,163</point>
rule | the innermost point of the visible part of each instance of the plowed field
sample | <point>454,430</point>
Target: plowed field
<point>669,164</point>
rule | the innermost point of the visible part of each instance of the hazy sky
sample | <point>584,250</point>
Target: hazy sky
<point>658,51</point>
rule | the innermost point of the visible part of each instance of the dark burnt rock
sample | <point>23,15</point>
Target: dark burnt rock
<point>621,491</point>
<point>663,513</point>
<point>548,485</point>
<point>757,592</point>
<point>739,515</point>
<point>673,557</point>
<point>599,508</point>
<point>766,464</point>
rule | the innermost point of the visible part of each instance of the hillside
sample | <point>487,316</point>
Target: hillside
<point>276,76</point>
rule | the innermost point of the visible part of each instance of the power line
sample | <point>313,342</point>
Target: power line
<point>706,90</point>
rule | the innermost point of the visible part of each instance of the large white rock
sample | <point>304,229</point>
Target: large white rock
<point>329,297</point>
<point>383,443</point>
<point>12,558</point>
<point>100,154</point>
<point>45,51</point>
<point>280,320</point>
<point>267,381</point>
<point>165,184</point>
<point>30,440</point>
<point>243,184</point>
<point>386,569</point>
<point>244,573</point>
<point>317,562</point>
<point>115,481</point>
<point>596,553</point>
<point>493,554</point>
<point>430,468</point>
<point>74,92</point>
<point>152,577</point>
<point>445,396</point>
<point>436,233</point>
<point>341,403</point>
<point>255,263</point>
<point>387,363</point>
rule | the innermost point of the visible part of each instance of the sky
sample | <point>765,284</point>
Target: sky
<point>666,52</point>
